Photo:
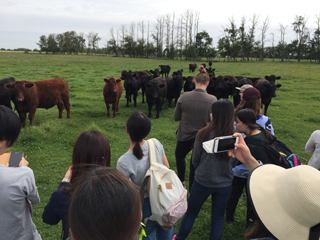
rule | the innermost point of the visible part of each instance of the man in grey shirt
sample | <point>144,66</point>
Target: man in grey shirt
<point>18,188</point>
<point>193,111</point>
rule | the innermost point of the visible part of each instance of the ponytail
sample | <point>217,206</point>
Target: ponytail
<point>267,133</point>
<point>137,151</point>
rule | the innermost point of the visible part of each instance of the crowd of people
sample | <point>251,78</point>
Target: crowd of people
<point>96,201</point>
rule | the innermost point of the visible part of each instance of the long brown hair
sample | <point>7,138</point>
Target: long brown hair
<point>253,103</point>
<point>91,147</point>
<point>248,117</point>
<point>105,205</point>
<point>259,231</point>
<point>221,123</point>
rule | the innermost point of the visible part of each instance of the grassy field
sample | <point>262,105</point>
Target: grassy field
<point>48,144</point>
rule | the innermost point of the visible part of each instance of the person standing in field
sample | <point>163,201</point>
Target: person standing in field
<point>91,148</point>
<point>18,188</point>
<point>193,111</point>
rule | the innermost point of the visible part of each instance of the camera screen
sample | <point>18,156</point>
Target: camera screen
<point>226,144</point>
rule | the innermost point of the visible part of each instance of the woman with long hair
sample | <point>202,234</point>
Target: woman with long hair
<point>104,206</point>
<point>213,172</point>
<point>135,163</point>
<point>193,111</point>
<point>91,148</point>
<point>251,99</point>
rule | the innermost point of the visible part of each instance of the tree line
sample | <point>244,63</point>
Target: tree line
<point>178,37</point>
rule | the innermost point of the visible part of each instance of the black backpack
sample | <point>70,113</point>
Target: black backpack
<point>278,152</point>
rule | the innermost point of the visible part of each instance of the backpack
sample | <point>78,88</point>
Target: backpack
<point>279,153</point>
<point>168,197</point>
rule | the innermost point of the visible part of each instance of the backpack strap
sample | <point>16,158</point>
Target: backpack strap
<point>152,151</point>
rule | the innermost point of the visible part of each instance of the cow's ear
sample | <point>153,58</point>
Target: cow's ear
<point>213,69</point>
<point>278,78</point>
<point>266,77</point>
<point>106,80</point>
<point>181,70</point>
<point>184,78</point>
<point>9,86</point>
<point>28,85</point>
<point>151,71</point>
<point>278,85</point>
<point>134,74</point>
<point>118,80</point>
<point>162,86</point>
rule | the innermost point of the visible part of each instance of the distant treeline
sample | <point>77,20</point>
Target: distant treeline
<point>174,37</point>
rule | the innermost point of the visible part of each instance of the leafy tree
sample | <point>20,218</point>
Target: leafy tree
<point>299,26</point>
<point>43,44</point>
<point>52,44</point>
<point>232,34</point>
<point>203,42</point>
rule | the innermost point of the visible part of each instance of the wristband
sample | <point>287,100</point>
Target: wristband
<point>66,180</point>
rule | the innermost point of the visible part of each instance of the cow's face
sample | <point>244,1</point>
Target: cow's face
<point>19,88</point>
<point>153,88</point>
<point>123,75</point>
<point>156,73</point>
<point>112,84</point>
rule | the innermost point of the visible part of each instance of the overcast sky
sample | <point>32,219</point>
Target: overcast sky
<point>22,22</point>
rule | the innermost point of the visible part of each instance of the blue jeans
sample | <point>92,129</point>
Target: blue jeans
<point>153,229</point>
<point>198,196</point>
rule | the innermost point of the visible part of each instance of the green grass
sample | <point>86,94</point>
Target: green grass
<point>49,143</point>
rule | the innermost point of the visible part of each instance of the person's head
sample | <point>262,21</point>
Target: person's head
<point>251,98</point>
<point>10,126</point>
<point>222,118</point>
<point>246,122</point>
<point>91,147</point>
<point>138,127</point>
<point>242,88</point>
<point>202,77</point>
<point>105,205</point>
<point>287,201</point>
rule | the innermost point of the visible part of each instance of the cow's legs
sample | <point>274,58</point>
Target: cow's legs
<point>149,108</point>
<point>135,99</point>
<point>108,108</point>
<point>23,117</point>
<point>128,100</point>
<point>66,103</point>
<point>158,107</point>
<point>114,109</point>
<point>60,107</point>
<point>31,115</point>
<point>266,108</point>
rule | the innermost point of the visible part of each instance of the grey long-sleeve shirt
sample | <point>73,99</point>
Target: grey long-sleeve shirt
<point>313,146</point>
<point>18,192</point>
<point>210,170</point>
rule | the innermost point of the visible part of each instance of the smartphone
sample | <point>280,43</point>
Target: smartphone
<point>224,144</point>
<point>15,159</point>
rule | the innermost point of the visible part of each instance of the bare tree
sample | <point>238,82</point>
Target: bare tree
<point>90,37</point>
<point>252,29</point>
<point>132,29</point>
<point>282,44</point>
<point>167,22</point>
<point>264,28</point>
<point>316,37</point>
<point>299,26</point>
<point>113,42</point>
<point>272,45</point>
<point>243,37</point>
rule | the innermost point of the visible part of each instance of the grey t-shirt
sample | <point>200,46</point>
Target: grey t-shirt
<point>136,169</point>
<point>18,191</point>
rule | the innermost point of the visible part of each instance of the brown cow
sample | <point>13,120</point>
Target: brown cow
<point>40,94</point>
<point>112,92</point>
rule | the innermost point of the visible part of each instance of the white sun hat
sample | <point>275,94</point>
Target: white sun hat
<point>287,201</point>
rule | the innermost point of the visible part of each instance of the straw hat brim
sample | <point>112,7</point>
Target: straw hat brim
<point>287,201</point>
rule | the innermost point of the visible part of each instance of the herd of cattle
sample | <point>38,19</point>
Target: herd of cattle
<point>27,96</point>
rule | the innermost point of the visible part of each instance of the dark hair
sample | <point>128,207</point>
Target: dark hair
<point>222,123</point>
<point>138,127</point>
<point>91,147</point>
<point>253,103</point>
<point>10,126</point>
<point>105,205</point>
<point>248,117</point>
<point>202,77</point>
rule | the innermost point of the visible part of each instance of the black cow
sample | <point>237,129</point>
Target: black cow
<point>174,85</point>
<point>165,69</point>
<point>146,79</point>
<point>240,83</point>
<point>271,78</point>
<point>210,63</point>
<point>5,94</point>
<point>210,71</point>
<point>211,87</point>
<point>156,91</point>
<point>132,85</point>
<point>221,87</point>
<point>192,67</point>
<point>204,65</point>
<point>189,84</point>
<point>232,83</point>
<point>140,74</point>
<point>267,90</point>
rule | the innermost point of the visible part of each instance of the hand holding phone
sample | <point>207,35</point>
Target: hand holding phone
<point>220,144</point>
